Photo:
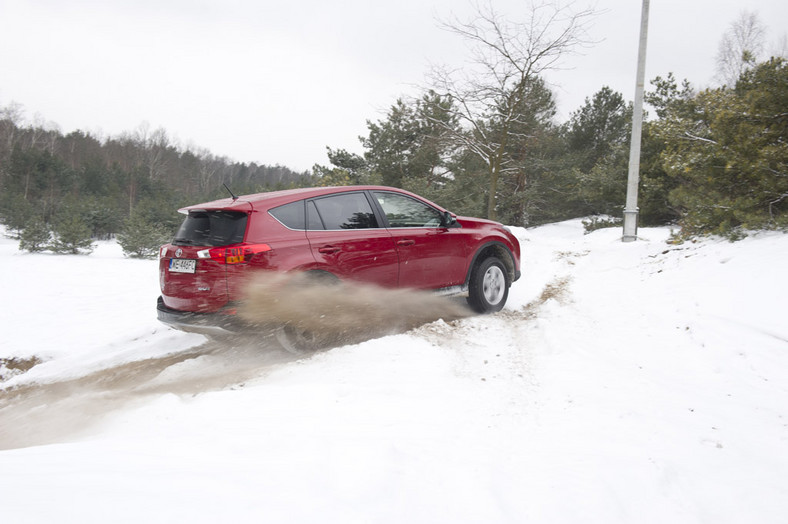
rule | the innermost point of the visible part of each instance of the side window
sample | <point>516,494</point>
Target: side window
<point>403,211</point>
<point>291,215</point>
<point>345,211</point>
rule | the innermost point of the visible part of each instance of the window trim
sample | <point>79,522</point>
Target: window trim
<point>370,201</point>
<point>377,210</point>
<point>303,202</point>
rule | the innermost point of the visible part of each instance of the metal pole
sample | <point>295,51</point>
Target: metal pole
<point>631,208</point>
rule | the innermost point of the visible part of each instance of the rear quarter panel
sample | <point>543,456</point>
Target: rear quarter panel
<point>289,251</point>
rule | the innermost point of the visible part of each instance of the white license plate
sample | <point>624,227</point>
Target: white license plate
<point>183,265</point>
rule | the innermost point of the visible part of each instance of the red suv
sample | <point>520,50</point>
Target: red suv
<point>370,234</point>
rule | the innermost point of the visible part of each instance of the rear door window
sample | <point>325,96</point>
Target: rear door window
<point>212,228</point>
<point>344,211</point>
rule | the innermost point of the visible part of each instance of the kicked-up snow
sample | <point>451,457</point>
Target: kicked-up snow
<point>642,382</point>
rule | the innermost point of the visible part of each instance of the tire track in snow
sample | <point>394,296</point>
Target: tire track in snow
<point>35,414</point>
<point>498,348</point>
<point>45,413</point>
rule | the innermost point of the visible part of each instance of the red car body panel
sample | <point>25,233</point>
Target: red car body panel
<point>203,291</point>
<point>362,255</point>
<point>413,257</point>
<point>430,258</point>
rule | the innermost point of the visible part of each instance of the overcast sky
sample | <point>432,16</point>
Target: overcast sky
<point>275,82</point>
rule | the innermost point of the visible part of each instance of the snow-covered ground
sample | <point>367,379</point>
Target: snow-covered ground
<point>642,382</point>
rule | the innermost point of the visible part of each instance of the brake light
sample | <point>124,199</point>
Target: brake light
<point>233,255</point>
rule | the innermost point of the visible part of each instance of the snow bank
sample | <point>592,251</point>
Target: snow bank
<point>80,313</point>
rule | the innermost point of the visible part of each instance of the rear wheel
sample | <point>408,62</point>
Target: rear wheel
<point>489,286</point>
<point>297,339</point>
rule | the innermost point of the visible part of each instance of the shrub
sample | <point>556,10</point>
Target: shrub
<point>15,213</point>
<point>141,238</point>
<point>72,236</point>
<point>599,222</point>
<point>35,236</point>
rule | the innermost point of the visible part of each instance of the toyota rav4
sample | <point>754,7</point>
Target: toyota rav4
<point>370,234</point>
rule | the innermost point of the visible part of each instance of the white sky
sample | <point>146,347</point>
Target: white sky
<point>275,82</point>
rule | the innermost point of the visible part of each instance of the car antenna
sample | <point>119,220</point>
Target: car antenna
<point>231,193</point>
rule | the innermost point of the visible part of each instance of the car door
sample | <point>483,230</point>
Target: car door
<point>347,240</point>
<point>431,256</point>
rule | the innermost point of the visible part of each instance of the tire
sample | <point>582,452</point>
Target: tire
<point>488,288</point>
<point>298,340</point>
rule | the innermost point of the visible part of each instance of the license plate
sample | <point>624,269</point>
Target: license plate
<point>183,265</point>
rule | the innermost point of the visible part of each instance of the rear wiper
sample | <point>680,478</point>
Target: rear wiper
<point>183,241</point>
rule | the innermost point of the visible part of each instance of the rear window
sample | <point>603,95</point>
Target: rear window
<point>212,228</point>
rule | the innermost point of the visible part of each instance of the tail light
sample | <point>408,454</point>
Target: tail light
<point>233,255</point>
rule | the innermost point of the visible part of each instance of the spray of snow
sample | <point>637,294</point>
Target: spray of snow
<point>342,312</point>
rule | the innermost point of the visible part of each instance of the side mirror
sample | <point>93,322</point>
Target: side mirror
<point>449,220</point>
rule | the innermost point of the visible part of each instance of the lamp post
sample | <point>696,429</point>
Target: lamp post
<point>631,207</point>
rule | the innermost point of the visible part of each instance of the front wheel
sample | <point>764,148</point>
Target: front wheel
<point>489,286</point>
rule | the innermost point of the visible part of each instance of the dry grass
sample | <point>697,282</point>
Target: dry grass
<point>16,366</point>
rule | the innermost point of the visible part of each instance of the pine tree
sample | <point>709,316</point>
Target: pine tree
<point>15,212</point>
<point>35,236</point>
<point>141,238</point>
<point>72,236</point>
<point>729,153</point>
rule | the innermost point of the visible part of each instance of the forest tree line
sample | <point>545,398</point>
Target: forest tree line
<point>712,161</point>
<point>484,140</point>
<point>77,184</point>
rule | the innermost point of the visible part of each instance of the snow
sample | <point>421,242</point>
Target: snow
<point>641,382</point>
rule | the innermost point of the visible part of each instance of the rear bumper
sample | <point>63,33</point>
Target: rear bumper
<point>204,323</point>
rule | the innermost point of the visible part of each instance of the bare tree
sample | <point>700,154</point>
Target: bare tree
<point>740,47</point>
<point>46,134</point>
<point>508,59</point>
<point>780,47</point>
<point>153,146</point>
<point>11,118</point>
<point>209,167</point>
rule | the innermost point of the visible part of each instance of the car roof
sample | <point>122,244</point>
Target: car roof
<point>276,198</point>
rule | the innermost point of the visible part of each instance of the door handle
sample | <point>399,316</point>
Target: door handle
<point>328,250</point>
<point>406,242</point>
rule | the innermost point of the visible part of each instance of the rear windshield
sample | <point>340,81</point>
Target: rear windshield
<point>212,228</point>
